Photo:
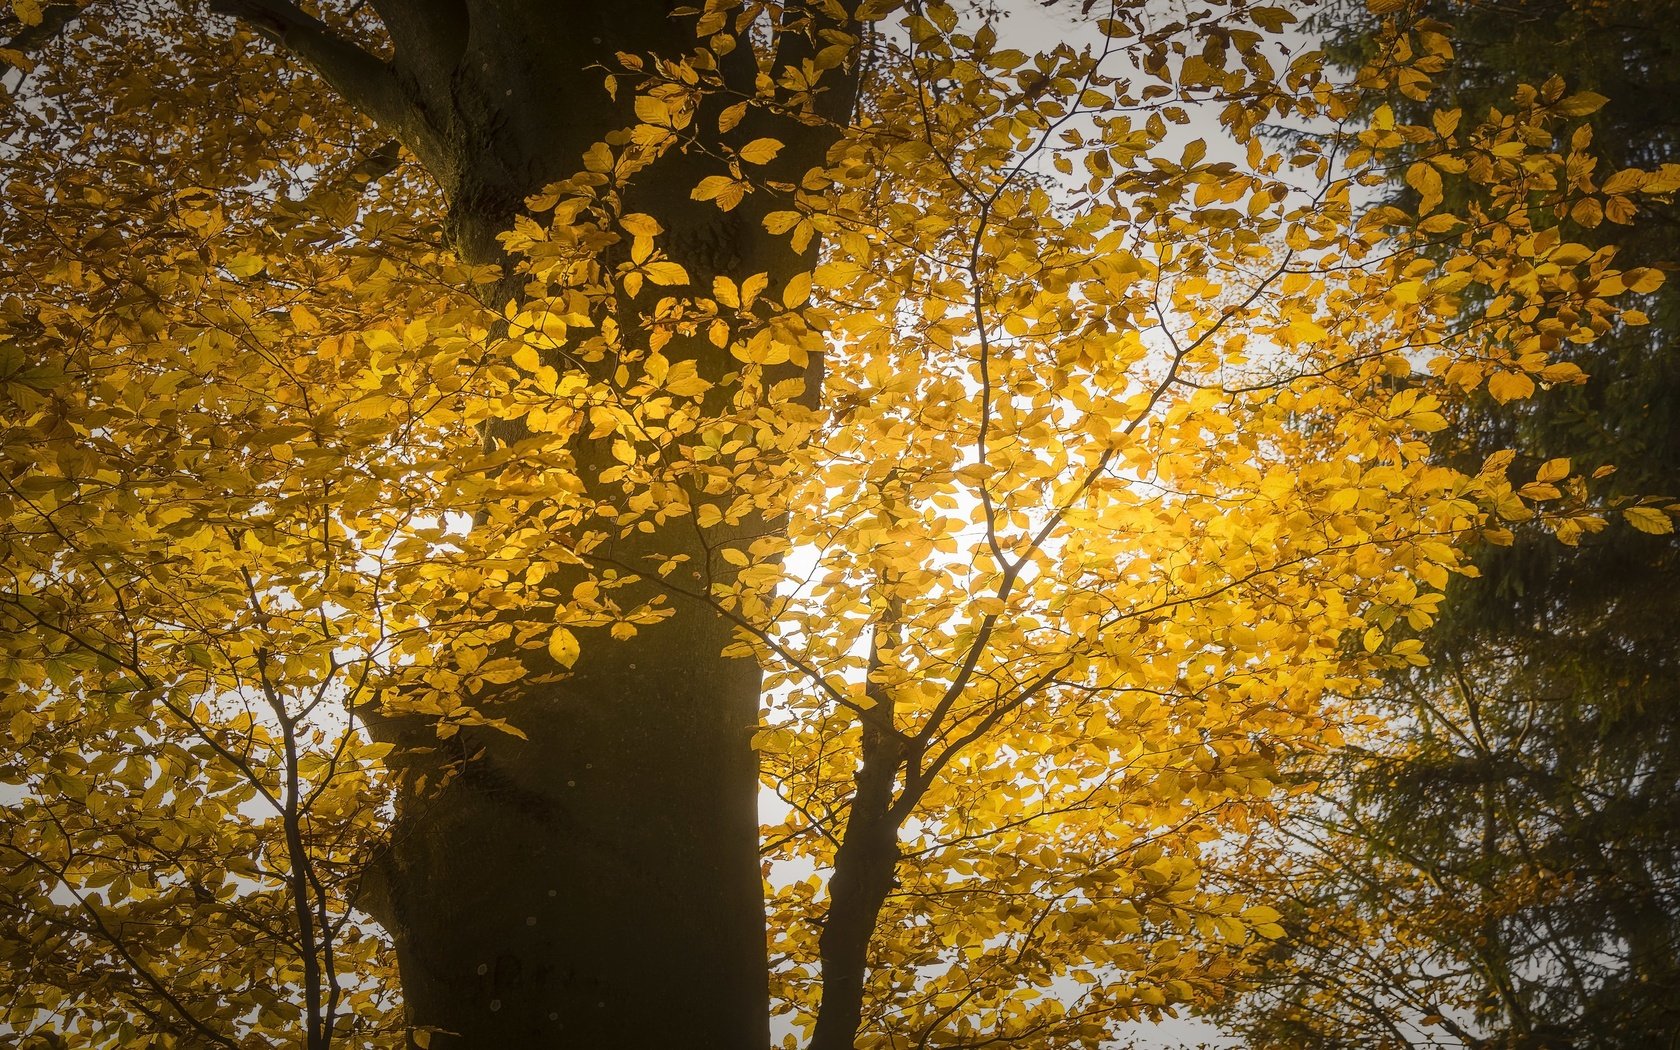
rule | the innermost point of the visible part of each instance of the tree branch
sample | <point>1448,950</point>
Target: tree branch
<point>866,861</point>
<point>55,19</point>
<point>135,965</point>
<point>365,80</point>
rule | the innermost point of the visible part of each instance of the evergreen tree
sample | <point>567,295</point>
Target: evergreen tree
<point>1500,866</point>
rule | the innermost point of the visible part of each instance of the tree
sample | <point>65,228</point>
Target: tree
<point>434,426</point>
<point>1510,837</point>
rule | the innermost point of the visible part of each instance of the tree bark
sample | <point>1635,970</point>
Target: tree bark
<point>599,884</point>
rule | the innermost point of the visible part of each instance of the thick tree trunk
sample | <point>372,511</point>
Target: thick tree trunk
<point>597,886</point>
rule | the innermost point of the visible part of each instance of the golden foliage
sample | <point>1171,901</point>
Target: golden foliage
<point>1123,473</point>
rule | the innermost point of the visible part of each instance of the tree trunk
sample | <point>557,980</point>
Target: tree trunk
<point>597,886</point>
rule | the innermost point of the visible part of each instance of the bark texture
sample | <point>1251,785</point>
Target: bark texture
<point>597,885</point>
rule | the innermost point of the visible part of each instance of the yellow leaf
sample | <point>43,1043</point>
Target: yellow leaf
<point>1588,212</point>
<point>526,357</point>
<point>726,191</point>
<point>415,333</point>
<point>1496,463</point>
<point>665,272</point>
<point>563,647</point>
<point>730,117</point>
<point>1666,179</point>
<point>1649,519</point>
<point>725,292</point>
<point>246,265</point>
<point>1643,280</point>
<point>1509,386</point>
<point>1624,181</point>
<point>650,110</point>
<point>1272,19</point>
<point>1423,177</point>
<point>641,225</point>
<point>759,151</point>
<point>1581,104</point>
<point>598,158</point>
<point>1553,470</point>
<point>797,292</point>
<point>684,381</point>
<point>781,221</point>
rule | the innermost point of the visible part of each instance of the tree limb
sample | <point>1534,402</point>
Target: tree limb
<point>55,18</point>
<point>367,82</point>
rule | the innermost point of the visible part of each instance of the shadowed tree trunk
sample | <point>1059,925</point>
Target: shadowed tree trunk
<point>597,885</point>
